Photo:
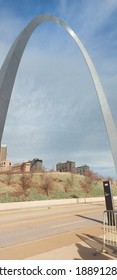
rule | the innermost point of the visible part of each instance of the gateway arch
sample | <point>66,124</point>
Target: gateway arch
<point>10,66</point>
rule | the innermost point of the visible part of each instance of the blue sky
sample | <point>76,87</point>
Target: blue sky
<point>54,112</point>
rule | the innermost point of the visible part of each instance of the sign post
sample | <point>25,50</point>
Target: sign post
<point>109,202</point>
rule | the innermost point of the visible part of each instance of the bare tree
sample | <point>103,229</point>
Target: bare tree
<point>46,183</point>
<point>9,177</point>
<point>69,183</point>
<point>89,178</point>
<point>25,181</point>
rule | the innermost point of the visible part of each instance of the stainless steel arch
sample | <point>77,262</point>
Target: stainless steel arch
<point>10,66</point>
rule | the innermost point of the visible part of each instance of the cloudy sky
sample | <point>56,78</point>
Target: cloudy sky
<point>54,113</point>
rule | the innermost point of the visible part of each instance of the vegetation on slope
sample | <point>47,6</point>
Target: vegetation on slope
<point>52,185</point>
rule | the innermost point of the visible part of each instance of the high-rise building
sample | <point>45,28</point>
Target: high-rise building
<point>5,165</point>
<point>82,169</point>
<point>68,166</point>
<point>3,152</point>
<point>34,165</point>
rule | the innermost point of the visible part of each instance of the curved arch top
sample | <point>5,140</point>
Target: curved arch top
<point>10,66</point>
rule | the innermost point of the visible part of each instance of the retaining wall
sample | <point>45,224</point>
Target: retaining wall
<point>31,204</point>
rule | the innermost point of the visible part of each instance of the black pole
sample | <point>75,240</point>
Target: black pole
<point>109,202</point>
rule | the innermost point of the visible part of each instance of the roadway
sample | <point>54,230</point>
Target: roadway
<point>37,226</point>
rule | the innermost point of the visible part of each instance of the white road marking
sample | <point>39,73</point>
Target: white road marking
<point>61,225</point>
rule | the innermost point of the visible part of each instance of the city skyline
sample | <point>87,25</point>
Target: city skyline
<point>64,120</point>
<point>31,165</point>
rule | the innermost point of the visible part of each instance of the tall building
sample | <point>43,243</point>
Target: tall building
<point>3,152</point>
<point>68,166</point>
<point>5,165</point>
<point>34,165</point>
<point>82,169</point>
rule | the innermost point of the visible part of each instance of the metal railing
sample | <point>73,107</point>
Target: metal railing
<point>110,229</point>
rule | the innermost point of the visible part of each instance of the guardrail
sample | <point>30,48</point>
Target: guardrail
<point>110,229</point>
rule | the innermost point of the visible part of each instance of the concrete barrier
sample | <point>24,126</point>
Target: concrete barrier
<point>31,204</point>
<point>47,203</point>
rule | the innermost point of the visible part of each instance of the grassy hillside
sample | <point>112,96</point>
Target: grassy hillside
<point>53,185</point>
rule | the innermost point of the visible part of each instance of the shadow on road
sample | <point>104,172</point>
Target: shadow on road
<point>89,218</point>
<point>88,254</point>
<point>92,250</point>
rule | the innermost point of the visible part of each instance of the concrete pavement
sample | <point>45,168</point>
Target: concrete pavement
<point>86,246</point>
<point>81,244</point>
<point>72,252</point>
<point>76,243</point>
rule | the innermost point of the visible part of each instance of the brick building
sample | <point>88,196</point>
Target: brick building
<point>3,152</point>
<point>5,165</point>
<point>34,165</point>
<point>82,169</point>
<point>68,166</point>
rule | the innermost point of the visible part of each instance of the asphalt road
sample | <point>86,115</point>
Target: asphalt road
<point>26,225</point>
